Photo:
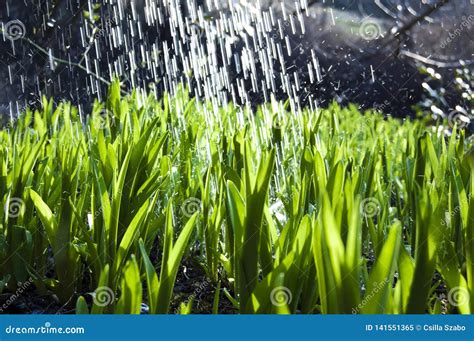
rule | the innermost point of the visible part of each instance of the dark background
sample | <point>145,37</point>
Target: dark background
<point>382,73</point>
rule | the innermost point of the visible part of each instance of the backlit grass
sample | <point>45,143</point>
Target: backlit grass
<point>286,211</point>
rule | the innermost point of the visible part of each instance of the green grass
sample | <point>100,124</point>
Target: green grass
<point>312,212</point>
